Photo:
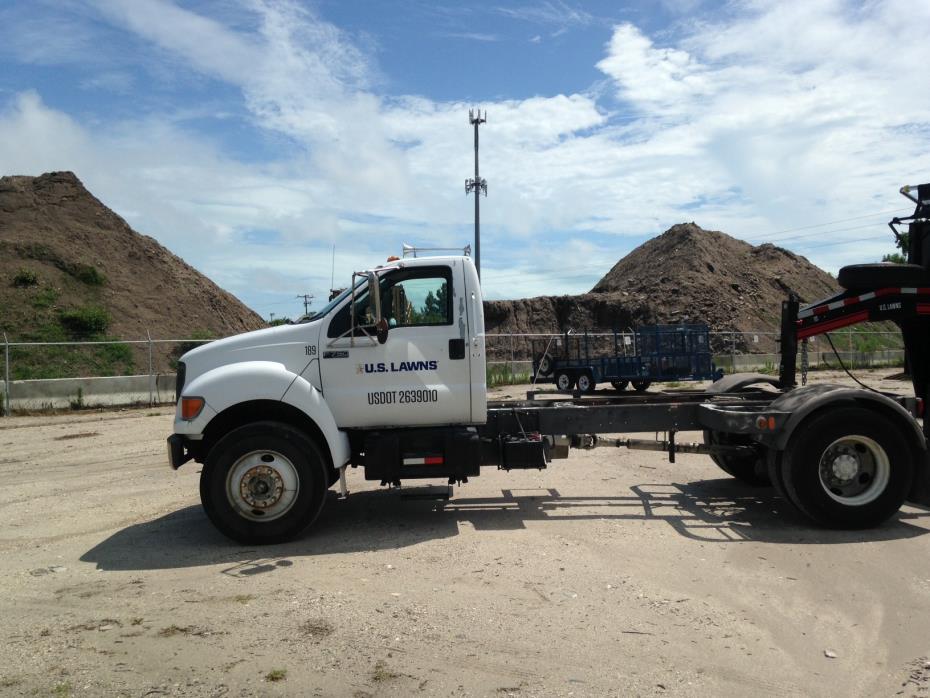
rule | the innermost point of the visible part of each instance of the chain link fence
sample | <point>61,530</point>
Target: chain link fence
<point>153,362</point>
<point>510,356</point>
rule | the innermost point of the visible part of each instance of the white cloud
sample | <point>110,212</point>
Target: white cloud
<point>649,76</point>
<point>782,115</point>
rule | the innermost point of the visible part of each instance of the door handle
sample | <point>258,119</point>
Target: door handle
<point>457,348</point>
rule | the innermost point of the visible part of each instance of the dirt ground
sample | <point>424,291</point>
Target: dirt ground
<point>612,573</point>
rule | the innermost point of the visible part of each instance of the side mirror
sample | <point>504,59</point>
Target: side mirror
<point>381,330</point>
<point>374,295</point>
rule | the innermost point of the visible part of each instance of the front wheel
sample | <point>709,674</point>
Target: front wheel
<point>263,483</point>
<point>848,468</point>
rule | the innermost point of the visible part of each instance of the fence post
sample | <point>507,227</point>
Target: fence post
<point>513,365</point>
<point>733,352</point>
<point>6,377</point>
<point>151,374</point>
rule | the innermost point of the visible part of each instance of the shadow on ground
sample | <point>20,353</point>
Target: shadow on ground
<point>717,511</point>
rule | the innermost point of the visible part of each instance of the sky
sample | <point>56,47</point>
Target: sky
<point>278,145</point>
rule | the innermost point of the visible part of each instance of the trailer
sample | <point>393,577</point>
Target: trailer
<point>651,353</point>
<point>390,377</point>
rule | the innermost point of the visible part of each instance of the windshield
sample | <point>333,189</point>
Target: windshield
<point>334,302</point>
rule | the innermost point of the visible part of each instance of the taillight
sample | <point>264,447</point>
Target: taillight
<point>191,407</point>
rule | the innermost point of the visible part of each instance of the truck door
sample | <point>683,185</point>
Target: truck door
<point>420,376</point>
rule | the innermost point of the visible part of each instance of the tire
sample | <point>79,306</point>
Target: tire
<point>544,363</point>
<point>749,469</point>
<point>586,384</point>
<point>263,483</point>
<point>641,386</point>
<point>620,385</point>
<point>564,381</point>
<point>773,463</point>
<point>849,467</point>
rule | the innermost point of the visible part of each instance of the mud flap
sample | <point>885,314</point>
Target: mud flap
<point>920,490</point>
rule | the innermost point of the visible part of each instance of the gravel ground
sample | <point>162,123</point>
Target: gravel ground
<point>611,573</point>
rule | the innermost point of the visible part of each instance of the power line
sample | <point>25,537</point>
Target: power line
<point>769,236</point>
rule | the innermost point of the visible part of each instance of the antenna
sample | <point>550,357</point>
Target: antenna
<point>332,273</point>
<point>477,185</point>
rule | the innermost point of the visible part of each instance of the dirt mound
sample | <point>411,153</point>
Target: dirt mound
<point>71,268</point>
<point>687,274</point>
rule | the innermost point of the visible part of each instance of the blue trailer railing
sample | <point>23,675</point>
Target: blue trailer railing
<point>656,353</point>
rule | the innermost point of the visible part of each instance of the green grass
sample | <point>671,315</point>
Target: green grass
<point>31,363</point>
<point>276,675</point>
<point>501,374</point>
<point>87,274</point>
<point>85,322</point>
<point>45,298</point>
<point>25,278</point>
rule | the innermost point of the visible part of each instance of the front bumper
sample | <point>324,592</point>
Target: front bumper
<point>178,454</point>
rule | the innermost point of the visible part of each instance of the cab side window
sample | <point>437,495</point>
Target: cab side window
<point>417,301</point>
<point>409,298</point>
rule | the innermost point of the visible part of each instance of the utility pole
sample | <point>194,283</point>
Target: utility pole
<point>477,185</point>
<point>307,298</point>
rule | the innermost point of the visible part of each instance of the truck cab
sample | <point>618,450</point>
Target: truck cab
<point>396,361</point>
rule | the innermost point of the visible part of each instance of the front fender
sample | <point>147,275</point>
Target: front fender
<point>246,381</point>
<point>305,397</point>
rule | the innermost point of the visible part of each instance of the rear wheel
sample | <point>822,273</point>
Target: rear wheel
<point>564,381</point>
<point>848,468</point>
<point>641,386</point>
<point>544,364</point>
<point>751,469</point>
<point>586,383</point>
<point>263,483</point>
<point>620,385</point>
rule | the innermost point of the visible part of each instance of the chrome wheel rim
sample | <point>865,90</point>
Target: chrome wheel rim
<point>262,485</point>
<point>854,470</point>
<point>564,382</point>
<point>584,383</point>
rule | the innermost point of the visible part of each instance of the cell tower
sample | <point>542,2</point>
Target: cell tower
<point>477,185</point>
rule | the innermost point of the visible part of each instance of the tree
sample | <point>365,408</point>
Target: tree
<point>897,257</point>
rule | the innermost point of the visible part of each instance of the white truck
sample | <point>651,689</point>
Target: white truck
<point>390,377</point>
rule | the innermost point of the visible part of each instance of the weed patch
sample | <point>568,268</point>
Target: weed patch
<point>85,322</point>
<point>25,278</point>
<point>276,675</point>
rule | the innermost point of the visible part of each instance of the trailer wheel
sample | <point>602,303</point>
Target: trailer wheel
<point>263,483</point>
<point>641,386</point>
<point>544,363</point>
<point>586,382</point>
<point>749,469</point>
<point>564,381</point>
<point>848,468</point>
<point>620,385</point>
